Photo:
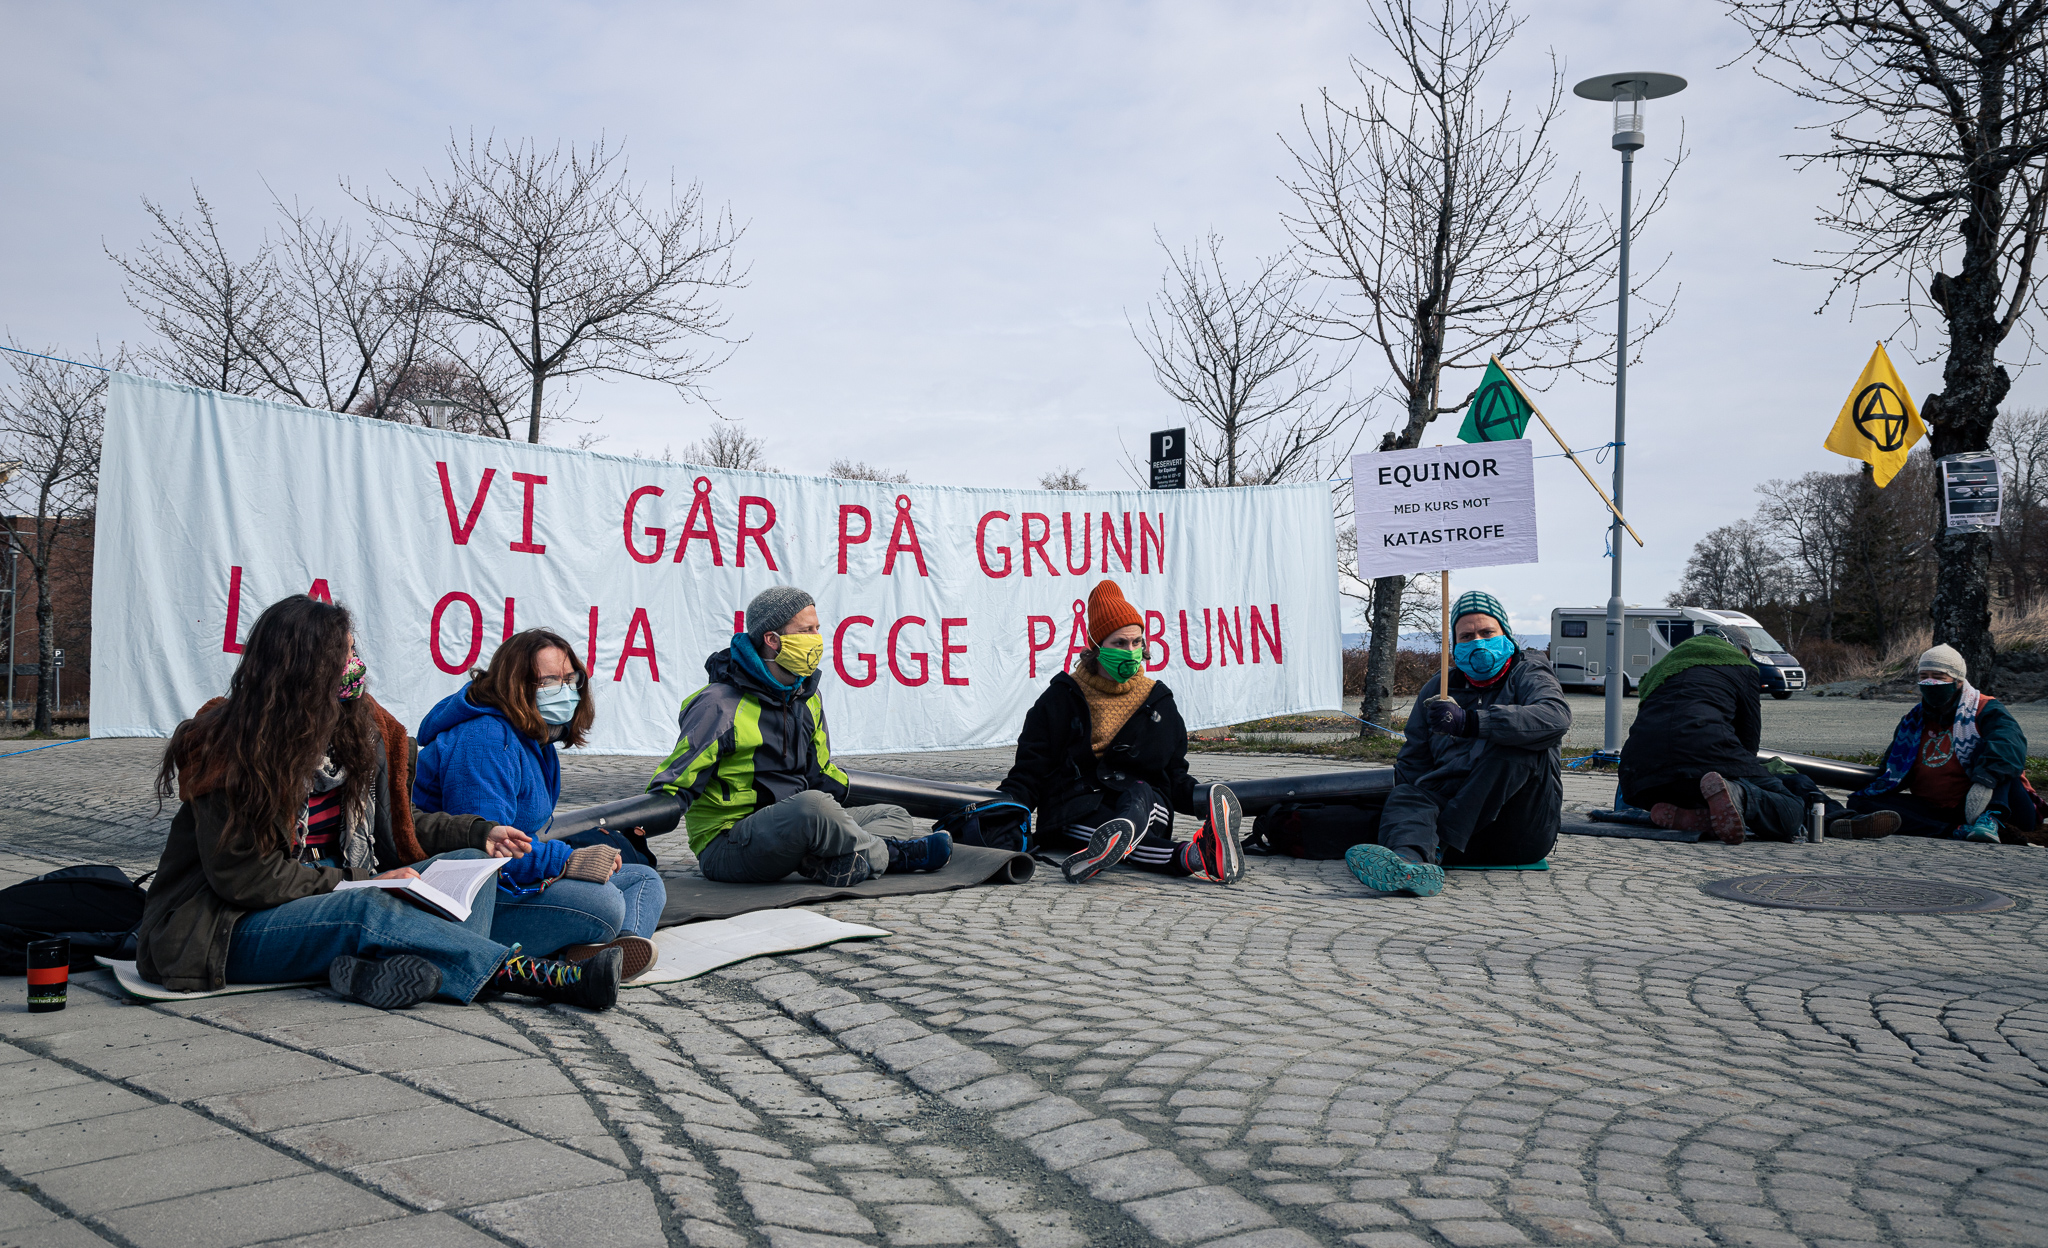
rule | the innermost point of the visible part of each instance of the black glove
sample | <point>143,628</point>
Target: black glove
<point>1448,718</point>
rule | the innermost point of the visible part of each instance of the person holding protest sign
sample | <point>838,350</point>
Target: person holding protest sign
<point>1957,763</point>
<point>490,750</point>
<point>285,795</point>
<point>1103,760</point>
<point>1479,781</point>
<point>1691,755</point>
<point>753,766</point>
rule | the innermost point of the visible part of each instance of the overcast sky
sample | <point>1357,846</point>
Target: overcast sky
<point>949,210</point>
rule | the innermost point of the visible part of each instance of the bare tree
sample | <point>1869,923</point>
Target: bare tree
<point>850,470</point>
<point>1941,138</point>
<point>1237,356</point>
<point>1435,216</point>
<point>50,425</point>
<point>1803,521</point>
<point>1734,566</point>
<point>203,305</point>
<point>2020,441</point>
<point>728,445</point>
<point>558,259</point>
<point>1062,479</point>
<point>315,316</point>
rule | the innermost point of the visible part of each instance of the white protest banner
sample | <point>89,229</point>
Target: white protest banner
<point>1444,507</point>
<point>945,609</point>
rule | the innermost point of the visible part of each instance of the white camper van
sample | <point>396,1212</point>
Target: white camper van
<point>1578,645</point>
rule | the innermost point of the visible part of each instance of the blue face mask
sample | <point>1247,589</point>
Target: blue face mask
<point>557,705</point>
<point>1483,659</point>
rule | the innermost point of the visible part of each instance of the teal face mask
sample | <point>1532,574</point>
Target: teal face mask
<point>1483,659</point>
<point>558,705</point>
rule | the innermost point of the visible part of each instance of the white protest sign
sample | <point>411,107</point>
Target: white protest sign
<point>945,609</point>
<point>1444,507</point>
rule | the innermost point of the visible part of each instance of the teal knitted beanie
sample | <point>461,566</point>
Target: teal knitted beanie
<point>1479,602</point>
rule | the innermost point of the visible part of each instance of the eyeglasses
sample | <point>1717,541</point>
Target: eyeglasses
<point>557,682</point>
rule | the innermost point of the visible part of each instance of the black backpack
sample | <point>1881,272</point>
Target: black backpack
<point>1310,830</point>
<point>999,823</point>
<point>96,906</point>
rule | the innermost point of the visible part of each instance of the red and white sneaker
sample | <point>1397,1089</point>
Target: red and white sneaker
<point>1214,851</point>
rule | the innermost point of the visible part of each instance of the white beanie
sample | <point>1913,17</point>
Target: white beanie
<point>1945,659</point>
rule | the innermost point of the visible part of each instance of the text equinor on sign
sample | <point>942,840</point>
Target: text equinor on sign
<point>1444,507</point>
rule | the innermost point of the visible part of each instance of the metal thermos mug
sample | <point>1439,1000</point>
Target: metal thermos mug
<point>1816,823</point>
<point>49,974</point>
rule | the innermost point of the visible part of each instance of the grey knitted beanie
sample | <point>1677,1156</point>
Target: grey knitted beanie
<point>1946,660</point>
<point>774,607</point>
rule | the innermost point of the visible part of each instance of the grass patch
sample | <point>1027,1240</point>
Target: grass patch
<point>1299,723</point>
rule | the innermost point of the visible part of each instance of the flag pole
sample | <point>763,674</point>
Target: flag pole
<point>1443,680</point>
<point>1568,452</point>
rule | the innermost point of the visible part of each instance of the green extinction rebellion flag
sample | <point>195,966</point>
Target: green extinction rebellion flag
<point>1498,412</point>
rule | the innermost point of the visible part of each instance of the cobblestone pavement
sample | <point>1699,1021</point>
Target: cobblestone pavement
<point>1597,1054</point>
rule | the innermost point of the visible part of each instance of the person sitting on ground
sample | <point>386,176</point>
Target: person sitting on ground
<point>1479,780</point>
<point>1691,755</point>
<point>490,750</point>
<point>284,794</point>
<point>753,766</point>
<point>1103,761</point>
<point>1957,763</point>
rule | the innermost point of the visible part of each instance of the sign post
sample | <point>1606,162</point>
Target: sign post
<point>1169,459</point>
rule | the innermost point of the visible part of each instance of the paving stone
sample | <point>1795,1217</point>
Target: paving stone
<point>425,1230</point>
<point>430,1128</point>
<point>1199,1213</point>
<point>481,1174</point>
<point>934,1224</point>
<point>252,1214</point>
<point>621,1214</point>
<point>96,1139</point>
<point>165,1173</point>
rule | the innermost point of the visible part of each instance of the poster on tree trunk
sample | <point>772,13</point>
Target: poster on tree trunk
<point>1970,491</point>
<point>945,609</point>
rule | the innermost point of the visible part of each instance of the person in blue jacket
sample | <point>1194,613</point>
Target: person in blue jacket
<point>490,750</point>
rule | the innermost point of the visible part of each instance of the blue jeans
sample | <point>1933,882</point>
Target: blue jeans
<point>577,912</point>
<point>299,939</point>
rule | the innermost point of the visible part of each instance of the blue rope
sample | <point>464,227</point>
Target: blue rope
<point>51,746</point>
<point>61,360</point>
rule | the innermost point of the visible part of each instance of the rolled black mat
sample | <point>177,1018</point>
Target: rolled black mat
<point>932,799</point>
<point>1831,772</point>
<point>652,813</point>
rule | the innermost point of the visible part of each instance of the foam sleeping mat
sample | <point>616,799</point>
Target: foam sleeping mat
<point>692,898</point>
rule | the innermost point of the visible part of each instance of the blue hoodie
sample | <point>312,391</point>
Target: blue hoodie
<point>474,762</point>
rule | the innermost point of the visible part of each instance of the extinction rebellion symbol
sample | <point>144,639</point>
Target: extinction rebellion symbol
<point>1880,416</point>
<point>1499,413</point>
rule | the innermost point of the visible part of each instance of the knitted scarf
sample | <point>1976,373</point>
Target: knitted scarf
<point>1963,735</point>
<point>1705,650</point>
<point>1110,705</point>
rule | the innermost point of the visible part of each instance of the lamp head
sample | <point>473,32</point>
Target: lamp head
<point>1628,91</point>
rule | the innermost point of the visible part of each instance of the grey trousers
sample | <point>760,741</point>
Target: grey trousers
<point>800,834</point>
<point>1504,812</point>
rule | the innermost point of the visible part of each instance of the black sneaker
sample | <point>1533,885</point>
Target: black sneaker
<point>1218,843</point>
<point>394,983</point>
<point>592,984</point>
<point>845,871</point>
<point>922,853</point>
<point>1111,844</point>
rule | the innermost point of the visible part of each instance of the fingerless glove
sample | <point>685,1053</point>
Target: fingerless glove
<point>594,863</point>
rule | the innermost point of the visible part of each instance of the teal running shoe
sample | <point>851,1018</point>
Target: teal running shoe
<point>1984,829</point>
<point>1380,868</point>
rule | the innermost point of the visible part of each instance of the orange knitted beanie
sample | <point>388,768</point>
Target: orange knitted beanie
<point>1107,612</point>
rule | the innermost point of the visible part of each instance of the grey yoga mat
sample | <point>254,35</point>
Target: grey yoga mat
<point>691,897</point>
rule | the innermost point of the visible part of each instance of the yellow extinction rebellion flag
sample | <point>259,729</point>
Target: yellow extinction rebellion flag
<point>1879,423</point>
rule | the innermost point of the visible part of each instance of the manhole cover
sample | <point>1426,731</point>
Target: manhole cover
<point>1870,894</point>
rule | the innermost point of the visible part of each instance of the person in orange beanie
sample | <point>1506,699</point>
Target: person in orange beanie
<point>1103,761</point>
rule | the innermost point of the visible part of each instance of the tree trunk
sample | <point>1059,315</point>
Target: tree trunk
<point>1973,385</point>
<point>46,650</point>
<point>1377,703</point>
<point>533,408</point>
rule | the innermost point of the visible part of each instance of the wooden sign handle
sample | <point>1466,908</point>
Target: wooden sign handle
<point>1443,683</point>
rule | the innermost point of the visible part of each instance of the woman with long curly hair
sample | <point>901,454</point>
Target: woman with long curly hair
<point>490,750</point>
<point>284,794</point>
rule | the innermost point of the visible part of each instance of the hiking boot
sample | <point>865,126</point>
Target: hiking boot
<point>923,853</point>
<point>1983,828</point>
<point>1383,870</point>
<point>845,871</point>
<point>1878,823</point>
<point>1111,844</point>
<point>637,954</point>
<point>1665,815</point>
<point>1724,808</point>
<point>394,983</point>
<point>1214,853</point>
<point>592,984</point>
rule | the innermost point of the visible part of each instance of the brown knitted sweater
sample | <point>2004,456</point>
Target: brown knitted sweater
<point>1110,705</point>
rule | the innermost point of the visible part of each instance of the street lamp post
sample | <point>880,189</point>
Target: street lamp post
<point>1627,91</point>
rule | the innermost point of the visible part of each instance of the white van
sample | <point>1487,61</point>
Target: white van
<point>1578,645</point>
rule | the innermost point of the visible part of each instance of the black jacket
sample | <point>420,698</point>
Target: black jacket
<point>1524,711</point>
<point>1058,775</point>
<point>1703,719</point>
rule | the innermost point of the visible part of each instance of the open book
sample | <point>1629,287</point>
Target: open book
<point>447,887</point>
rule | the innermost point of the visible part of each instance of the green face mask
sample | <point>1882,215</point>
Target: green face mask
<point>1119,665</point>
